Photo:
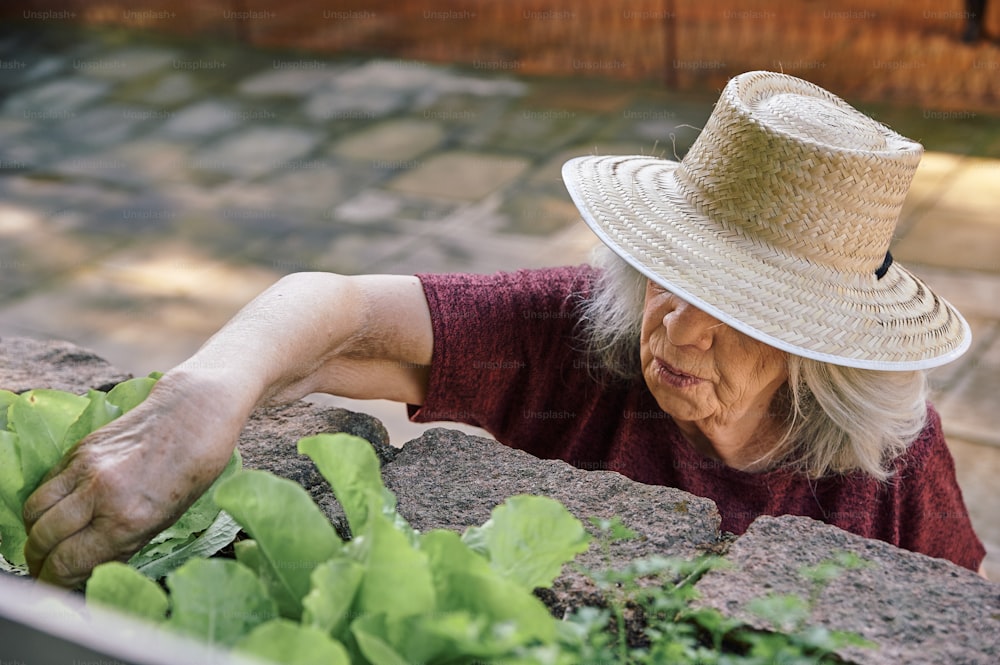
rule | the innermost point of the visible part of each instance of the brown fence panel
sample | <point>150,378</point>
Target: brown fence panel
<point>896,50</point>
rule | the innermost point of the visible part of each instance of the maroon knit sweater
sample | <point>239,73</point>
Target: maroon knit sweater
<point>507,358</point>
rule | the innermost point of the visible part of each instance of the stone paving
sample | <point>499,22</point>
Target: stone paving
<point>149,188</point>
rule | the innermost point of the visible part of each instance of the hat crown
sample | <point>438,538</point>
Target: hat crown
<point>792,167</point>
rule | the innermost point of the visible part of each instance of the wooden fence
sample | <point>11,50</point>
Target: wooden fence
<point>905,51</point>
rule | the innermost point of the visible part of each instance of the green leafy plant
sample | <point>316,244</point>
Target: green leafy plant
<point>297,593</point>
<point>38,427</point>
<point>789,615</point>
<point>650,619</point>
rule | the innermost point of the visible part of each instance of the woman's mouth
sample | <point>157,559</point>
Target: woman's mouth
<point>674,377</point>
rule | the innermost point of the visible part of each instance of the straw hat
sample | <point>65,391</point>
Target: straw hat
<point>777,222</point>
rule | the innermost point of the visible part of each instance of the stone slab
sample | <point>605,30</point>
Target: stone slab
<point>977,468</point>
<point>56,100</point>
<point>935,169</point>
<point>203,119</point>
<point>256,151</point>
<point>119,306</point>
<point>539,214</point>
<point>27,363</point>
<point>945,377</point>
<point>358,104</point>
<point>103,126</point>
<point>467,176</point>
<point>970,405</point>
<point>395,140</point>
<point>918,609</point>
<point>532,131</point>
<point>449,480</point>
<point>174,88</point>
<point>287,80</point>
<point>427,81</point>
<point>944,238</point>
<point>972,190</point>
<point>316,186</point>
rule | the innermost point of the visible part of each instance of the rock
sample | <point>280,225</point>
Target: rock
<point>28,363</point>
<point>448,479</point>
<point>916,608</point>
<point>268,442</point>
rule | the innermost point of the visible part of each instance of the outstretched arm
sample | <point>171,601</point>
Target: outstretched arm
<point>361,337</point>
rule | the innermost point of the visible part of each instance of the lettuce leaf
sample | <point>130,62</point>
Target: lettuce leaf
<point>328,604</point>
<point>217,600</point>
<point>398,580</point>
<point>528,539</point>
<point>350,465</point>
<point>292,534</point>
<point>41,418</point>
<point>123,588</point>
<point>287,642</point>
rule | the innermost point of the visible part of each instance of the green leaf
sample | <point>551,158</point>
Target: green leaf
<point>397,578</point>
<point>121,587</point>
<point>283,641</point>
<point>613,529</point>
<point>12,534</point>
<point>11,478</point>
<point>248,553</point>
<point>464,581</point>
<point>6,399</point>
<point>219,534</point>
<point>822,573</point>
<point>335,584</point>
<point>824,640</point>
<point>369,632</point>
<point>291,532</point>
<point>786,612</point>
<point>383,640</point>
<point>12,537</point>
<point>528,539</point>
<point>350,465</point>
<point>217,600</point>
<point>851,560</point>
<point>99,412</point>
<point>41,419</point>
<point>129,394</point>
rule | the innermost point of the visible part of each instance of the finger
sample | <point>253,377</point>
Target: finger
<point>47,495</point>
<point>70,563</point>
<point>55,525</point>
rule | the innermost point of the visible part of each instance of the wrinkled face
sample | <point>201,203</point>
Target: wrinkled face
<point>702,371</point>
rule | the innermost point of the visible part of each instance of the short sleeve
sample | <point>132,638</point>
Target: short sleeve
<point>500,342</point>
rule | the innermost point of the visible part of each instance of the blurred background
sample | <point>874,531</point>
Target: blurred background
<point>163,162</point>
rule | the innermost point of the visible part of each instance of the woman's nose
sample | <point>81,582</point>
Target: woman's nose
<point>686,325</point>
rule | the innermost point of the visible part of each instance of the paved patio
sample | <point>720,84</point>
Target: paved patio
<point>149,188</point>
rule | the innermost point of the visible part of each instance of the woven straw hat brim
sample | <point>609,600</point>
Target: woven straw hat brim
<point>635,206</point>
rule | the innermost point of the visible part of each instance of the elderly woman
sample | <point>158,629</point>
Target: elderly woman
<point>747,337</point>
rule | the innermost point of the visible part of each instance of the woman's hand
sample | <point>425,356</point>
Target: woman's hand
<point>131,479</point>
<point>366,337</point>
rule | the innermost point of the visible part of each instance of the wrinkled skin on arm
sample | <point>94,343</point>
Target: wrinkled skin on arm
<point>363,337</point>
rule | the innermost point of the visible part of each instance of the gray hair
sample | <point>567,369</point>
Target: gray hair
<point>840,419</point>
